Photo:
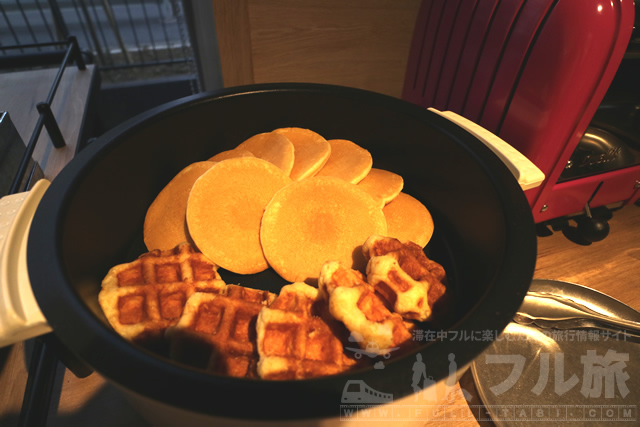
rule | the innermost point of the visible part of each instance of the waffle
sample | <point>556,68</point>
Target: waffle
<point>404,276</point>
<point>414,261</point>
<point>217,332</point>
<point>142,298</point>
<point>297,338</point>
<point>355,303</point>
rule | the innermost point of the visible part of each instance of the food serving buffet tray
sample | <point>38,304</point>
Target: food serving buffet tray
<point>91,216</point>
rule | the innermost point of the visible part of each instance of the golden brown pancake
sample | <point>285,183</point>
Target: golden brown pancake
<point>408,220</point>
<point>164,224</point>
<point>311,151</point>
<point>272,147</point>
<point>225,208</point>
<point>347,161</point>
<point>231,154</point>
<point>382,185</point>
<point>315,220</point>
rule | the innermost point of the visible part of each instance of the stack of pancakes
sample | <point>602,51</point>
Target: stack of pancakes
<point>288,199</point>
<point>176,300</point>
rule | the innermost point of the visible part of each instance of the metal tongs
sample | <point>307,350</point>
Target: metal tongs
<point>551,311</point>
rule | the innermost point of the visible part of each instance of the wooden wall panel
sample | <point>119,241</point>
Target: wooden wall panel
<point>358,43</point>
<point>234,41</point>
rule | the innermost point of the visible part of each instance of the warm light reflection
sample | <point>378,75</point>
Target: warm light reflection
<point>599,8</point>
<point>532,334</point>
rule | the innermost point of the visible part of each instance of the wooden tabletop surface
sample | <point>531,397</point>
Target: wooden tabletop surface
<point>611,266</point>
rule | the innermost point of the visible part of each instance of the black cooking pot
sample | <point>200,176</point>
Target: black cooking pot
<point>91,219</point>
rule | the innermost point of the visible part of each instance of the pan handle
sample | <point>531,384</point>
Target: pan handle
<point>527,173</point>
<point>20,316</point>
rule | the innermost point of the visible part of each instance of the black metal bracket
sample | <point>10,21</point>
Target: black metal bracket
<point>76,53</point>
<point>50,124</point>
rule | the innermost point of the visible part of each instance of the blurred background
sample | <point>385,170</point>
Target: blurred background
<point>149,52</point>
<point>142,48</point>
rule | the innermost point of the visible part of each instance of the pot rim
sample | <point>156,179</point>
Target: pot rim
<point>95,343</point>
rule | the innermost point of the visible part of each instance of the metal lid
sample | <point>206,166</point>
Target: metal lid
<point>528,374</point>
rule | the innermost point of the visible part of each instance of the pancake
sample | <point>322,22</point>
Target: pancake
<point>348,161</point>
<point>164,223</point>
<point>315,220</point>
<point>225,208</point>
<point>311,151</point>
<point>408,220</point>
<point>382,185</point>
<point>272,147</point>
<point>231,154</point>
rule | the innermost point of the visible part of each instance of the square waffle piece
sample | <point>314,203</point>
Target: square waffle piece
<point>218,332</point>
<point>409,281</point>
<point>297,338</point>
<point>142,298</point>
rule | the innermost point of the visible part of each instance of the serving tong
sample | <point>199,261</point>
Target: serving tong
<point>551,311</point>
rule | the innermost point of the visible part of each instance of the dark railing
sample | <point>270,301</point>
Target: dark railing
<point>46,118</point>
<point>128,39</point>
<point>44,357</point>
